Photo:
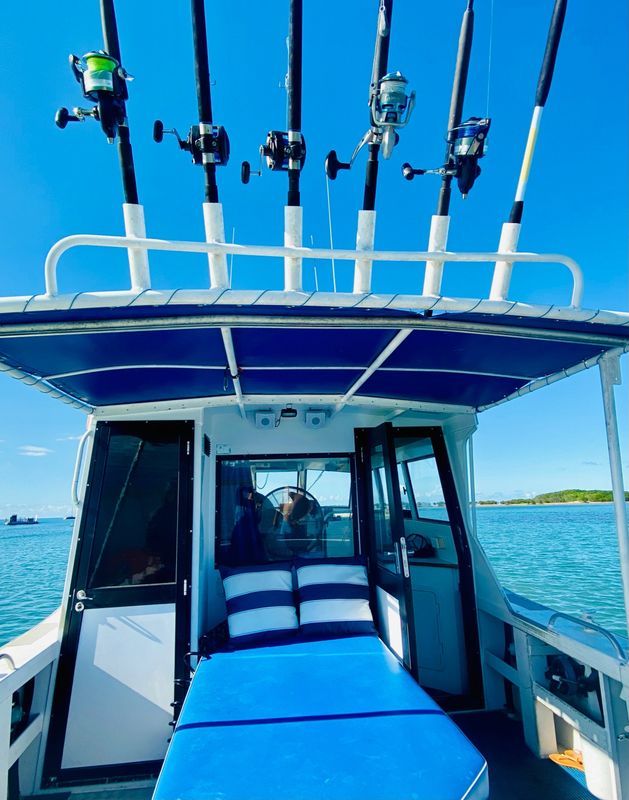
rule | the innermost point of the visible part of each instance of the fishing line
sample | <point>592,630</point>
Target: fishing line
<point>327,189</point>
<point>491,44</point>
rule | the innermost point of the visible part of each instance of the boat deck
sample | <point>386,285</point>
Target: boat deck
<point>514,772</point>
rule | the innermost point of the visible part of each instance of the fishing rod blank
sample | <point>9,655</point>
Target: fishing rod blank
<point>390,108</point>
<point>465,145</point>
<point>103,81</point>
<point>465,141</point>
<point>510,233</point>
<point>285,151</point>
<point>208,144</point>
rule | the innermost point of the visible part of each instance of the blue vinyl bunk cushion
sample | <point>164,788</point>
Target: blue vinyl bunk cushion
<point>337,719</point>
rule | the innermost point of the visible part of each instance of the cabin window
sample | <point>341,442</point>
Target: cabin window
<point>135,531</point>
<point>272,509</point>
<point>423,487</point>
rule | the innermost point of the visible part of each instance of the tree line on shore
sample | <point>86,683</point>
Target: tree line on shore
<point>564,496</point>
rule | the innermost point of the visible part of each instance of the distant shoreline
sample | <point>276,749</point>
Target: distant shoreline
<point>498,504</point>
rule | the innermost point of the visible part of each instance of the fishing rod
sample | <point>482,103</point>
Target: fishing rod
<point>103,81</point>
<point>510,233</point>
<point>390,108</point>
<point>285,151</point>
<point>208,144</point>
<point>465,145</point>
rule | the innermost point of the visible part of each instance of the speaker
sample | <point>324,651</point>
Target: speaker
<point>264,419</point>
<point>316,418</point>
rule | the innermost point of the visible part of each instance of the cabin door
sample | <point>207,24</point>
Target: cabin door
<point>127,625</point>
<point>382,531</point>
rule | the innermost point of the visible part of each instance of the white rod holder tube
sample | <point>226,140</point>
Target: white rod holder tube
<point>502,271</point>
<point>135,227</point>
<point>438,239</point>
<point>215,232</point>
<point>365,238</point>
<point>610,374</point>
<point>293,227</point>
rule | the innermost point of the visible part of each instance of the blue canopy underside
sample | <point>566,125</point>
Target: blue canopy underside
<point>185,360</point>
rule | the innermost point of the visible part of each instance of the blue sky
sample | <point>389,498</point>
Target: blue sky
<point>61,182</point>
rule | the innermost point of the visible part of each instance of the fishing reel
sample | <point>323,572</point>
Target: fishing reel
<point>103,81</point>
<point>282,151</point>
<point>207,144</point>
<point>466,145</point>
<point>390,108</point>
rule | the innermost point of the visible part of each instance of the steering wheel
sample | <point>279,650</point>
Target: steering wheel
<point>300,526</point>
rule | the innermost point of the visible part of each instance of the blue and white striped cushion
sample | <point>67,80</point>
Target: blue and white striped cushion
<point>260,603</point>
<point>333,597</point>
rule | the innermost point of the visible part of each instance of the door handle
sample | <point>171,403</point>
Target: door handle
<point>405,568</point>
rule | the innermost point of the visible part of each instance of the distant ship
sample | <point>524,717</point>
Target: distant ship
<point>15,520</point>
<point>69,517</point>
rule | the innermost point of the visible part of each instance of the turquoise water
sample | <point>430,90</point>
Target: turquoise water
<point>33,561</point>
<point>565,557</point>
<point>562,556</point>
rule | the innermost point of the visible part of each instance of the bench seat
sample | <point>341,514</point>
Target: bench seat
<point>338,719</point>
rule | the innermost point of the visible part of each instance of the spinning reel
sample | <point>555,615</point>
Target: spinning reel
<point>466,145</point>
<point>208,144</point>
<point>282,151</point>
<point>103,81</point>
<point>390,108</point>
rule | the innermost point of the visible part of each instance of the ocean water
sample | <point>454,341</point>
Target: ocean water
<point>564,556</point>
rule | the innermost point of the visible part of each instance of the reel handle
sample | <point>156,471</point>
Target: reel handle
<point>63,116</point>
<point>409,173</point>
<point>246,172</point>
<point>333,165</point>
<point>159,131</point>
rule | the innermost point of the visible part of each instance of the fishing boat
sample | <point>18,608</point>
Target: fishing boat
<point>14,519</point>
<point>257,604</point>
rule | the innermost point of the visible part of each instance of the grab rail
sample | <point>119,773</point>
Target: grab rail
<point>125,242</point>
<point>587,624</point>
<point>77,468</point>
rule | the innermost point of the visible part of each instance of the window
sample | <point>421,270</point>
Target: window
<point>427,489</point>
<point>136,528</point>
<point>277,508</point>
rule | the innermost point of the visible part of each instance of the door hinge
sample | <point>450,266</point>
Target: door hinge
<point>187,448</point>
<point>185,587</point>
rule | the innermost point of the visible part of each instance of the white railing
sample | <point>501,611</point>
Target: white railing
<point>22,662</point>
<point>601,736</point>
<point>408,256</point>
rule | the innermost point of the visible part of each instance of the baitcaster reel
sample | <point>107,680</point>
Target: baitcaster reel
<point>390,108</point>
<point>466,145</point>
<point>208,147</point>
<point>103,81</point>
<point>281,151</point>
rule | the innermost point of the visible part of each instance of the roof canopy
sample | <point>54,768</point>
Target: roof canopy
<point>117,356</point>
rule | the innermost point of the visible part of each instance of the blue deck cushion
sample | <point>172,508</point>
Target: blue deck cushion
<point>333,596</point>
<point>334,719</point>
<point>260,603</point>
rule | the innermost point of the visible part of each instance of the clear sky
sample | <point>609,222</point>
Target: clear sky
<point>61,182</point>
